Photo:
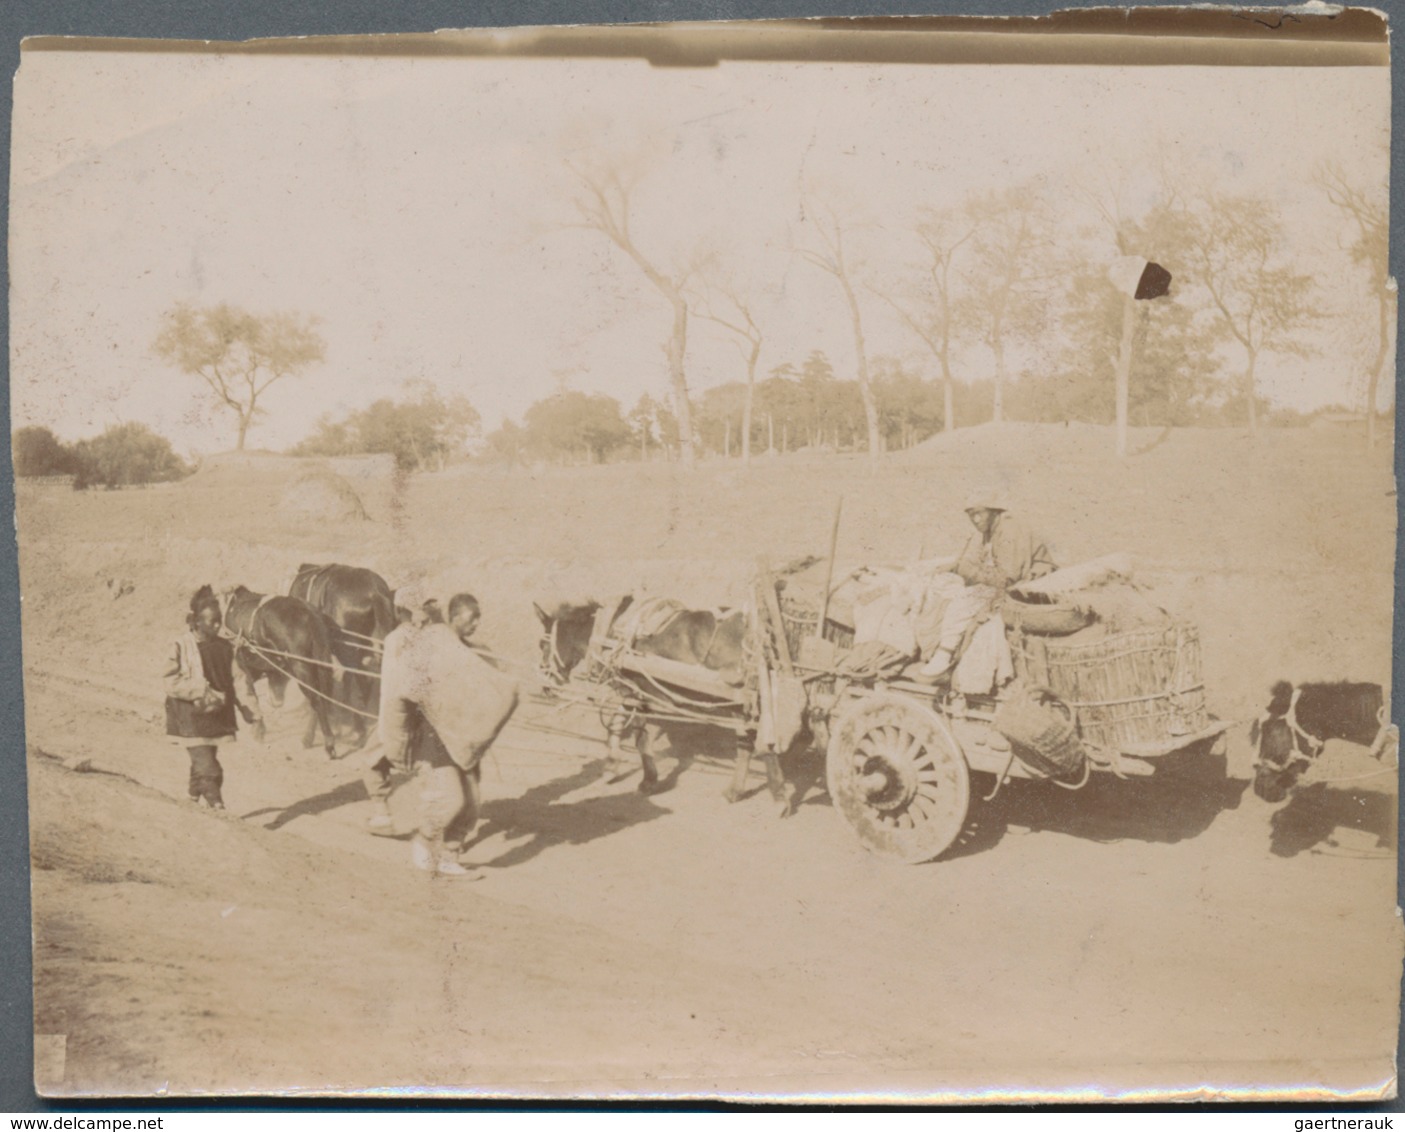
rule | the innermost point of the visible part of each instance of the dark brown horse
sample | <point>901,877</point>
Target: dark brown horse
<point>1300,720</point>
<point>716,641</point>
<point>281,639</point>
<point>360,603</point>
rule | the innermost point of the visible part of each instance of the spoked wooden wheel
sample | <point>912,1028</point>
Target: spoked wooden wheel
<point>898,778</point>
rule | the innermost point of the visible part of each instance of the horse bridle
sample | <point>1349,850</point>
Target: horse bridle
<point>1313,745</point>
<point>1306,747</point>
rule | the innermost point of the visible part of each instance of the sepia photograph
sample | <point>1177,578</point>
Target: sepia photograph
<point>816,561</point>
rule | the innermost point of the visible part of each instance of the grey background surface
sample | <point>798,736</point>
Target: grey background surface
<point>244,19</point>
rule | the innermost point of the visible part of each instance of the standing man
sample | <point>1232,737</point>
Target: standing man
<point>441,708</point>
<point>201,698</point>
<point>1003,552</point>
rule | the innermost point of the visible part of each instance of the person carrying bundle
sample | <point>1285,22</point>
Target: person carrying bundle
<point>441,708</point>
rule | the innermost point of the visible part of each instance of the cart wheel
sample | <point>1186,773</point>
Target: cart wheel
<point>898,778</point>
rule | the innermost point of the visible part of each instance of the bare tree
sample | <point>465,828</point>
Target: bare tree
<point>740,321</point>
<point>830,258</point>
<point>1234,246</point>
<point>1003,292</point>
<point>1367,213</point>
<point>942,232</point>
<point>238,355</point>
<point>604,206</point>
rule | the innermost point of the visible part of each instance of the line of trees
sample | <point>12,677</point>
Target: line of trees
<point>1004,274</point>
<point>807,407</point>
<point>1009,298</point>
<point>123,455</point>
<point>423,430</point>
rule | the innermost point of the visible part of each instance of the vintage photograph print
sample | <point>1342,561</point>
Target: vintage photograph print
<point>832,562</point>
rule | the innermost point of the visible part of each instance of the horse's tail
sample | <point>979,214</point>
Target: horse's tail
<point>320,676</point>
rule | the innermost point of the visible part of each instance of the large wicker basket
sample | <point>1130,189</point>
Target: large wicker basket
<point>1130,690</point>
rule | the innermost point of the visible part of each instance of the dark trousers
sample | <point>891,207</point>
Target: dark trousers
<point>206,774</point>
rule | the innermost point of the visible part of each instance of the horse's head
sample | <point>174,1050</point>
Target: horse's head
<point>565,638</point>
<point>1280,761</point>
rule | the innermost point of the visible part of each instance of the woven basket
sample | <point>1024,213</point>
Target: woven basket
<point>1141,688</point>
<point>1042,730</point>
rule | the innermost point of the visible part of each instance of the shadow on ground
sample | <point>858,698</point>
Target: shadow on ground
<point>1314,814</point>
<point>537,820</point>
<point>1189,791</point>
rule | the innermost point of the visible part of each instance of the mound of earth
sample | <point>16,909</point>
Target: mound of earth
<point>323,495</point>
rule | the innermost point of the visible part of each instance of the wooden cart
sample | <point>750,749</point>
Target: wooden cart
<point>900,755</point>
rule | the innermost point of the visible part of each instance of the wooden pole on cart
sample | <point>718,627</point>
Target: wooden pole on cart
<point>775,626</point>
<point>829,570</point>
<point>768,644</point>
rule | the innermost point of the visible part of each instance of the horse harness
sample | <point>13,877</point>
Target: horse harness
<point>1309,747</point>
<point>240,637</point>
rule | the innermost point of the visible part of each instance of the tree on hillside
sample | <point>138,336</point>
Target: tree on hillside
<point>1004,296</point>
<point>830,257</point>
<point>571,424</point>
<point>909,409</point>
<point>238,355</point>
<point>422,432</point>
<point>808,406</point>
<point>508,442</point>
<point>942,233</point>
<point>652,423</point>
<point>1177,360</point>
<point>36,451</point>
<point>1367,212</point>
<point>1176,354</point>
<point>604,206</point>
<point>1234,248</point>
<point>734,313</point>
<point>126,454</point>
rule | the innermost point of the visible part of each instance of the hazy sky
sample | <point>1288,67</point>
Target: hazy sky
<point>422,209</point>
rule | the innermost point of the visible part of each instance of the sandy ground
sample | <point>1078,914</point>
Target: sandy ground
<point>1177,936</point>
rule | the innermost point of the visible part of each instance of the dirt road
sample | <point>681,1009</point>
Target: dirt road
<point>1181,937</point>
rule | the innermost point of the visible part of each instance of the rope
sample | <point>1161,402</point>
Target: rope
<point>333,665</point>
<point>309,688</point>
<point>1002,779</point>
<point>375,641</point>
<point>568,696</point>
<point>1082,782</point>
<point>1348,777</point>
<point>1135,699</point>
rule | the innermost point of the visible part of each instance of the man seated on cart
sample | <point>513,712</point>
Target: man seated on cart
<point>1002,552</point>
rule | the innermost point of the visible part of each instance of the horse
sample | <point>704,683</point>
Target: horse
<point>361,604</point>
<point>661,628</point>
<point>282,638</point>
<point>1299,721</point>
